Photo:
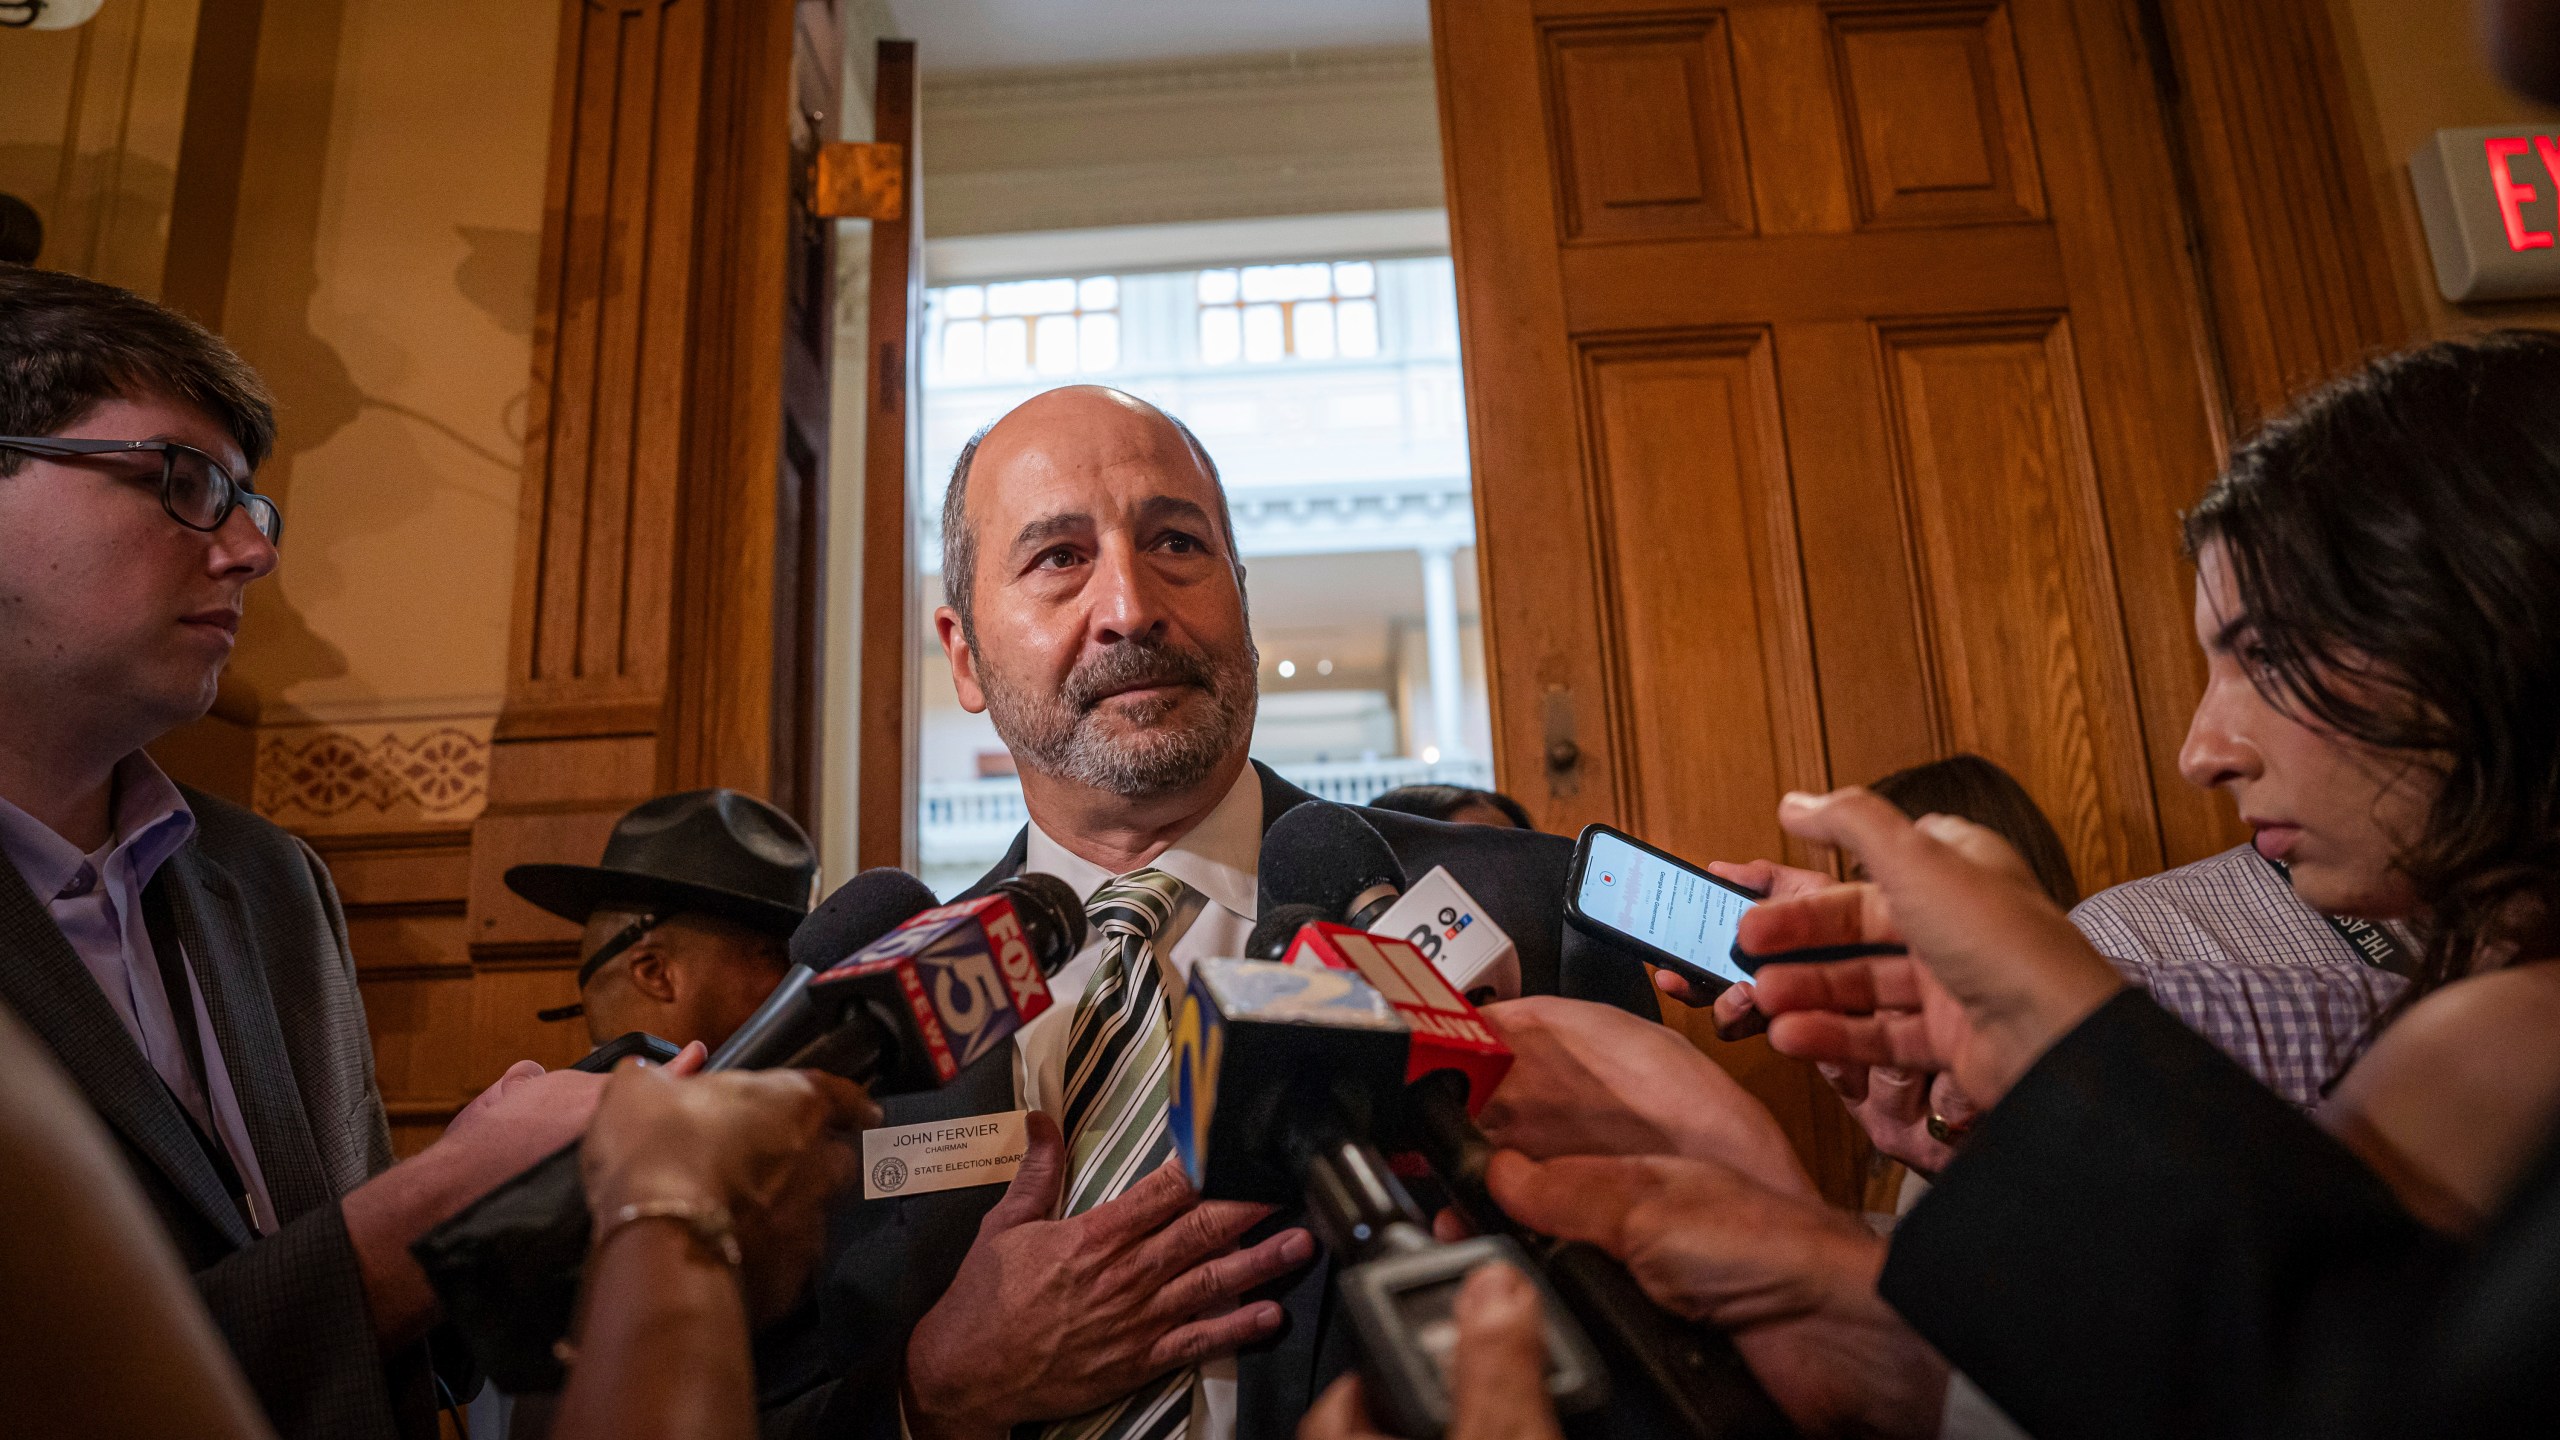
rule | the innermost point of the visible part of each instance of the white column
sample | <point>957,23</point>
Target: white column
<point>1440,635</point>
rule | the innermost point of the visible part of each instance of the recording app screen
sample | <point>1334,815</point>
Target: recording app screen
<point>1662,905</point>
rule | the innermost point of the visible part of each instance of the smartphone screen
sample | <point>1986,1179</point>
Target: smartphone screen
<point>1663,903</point>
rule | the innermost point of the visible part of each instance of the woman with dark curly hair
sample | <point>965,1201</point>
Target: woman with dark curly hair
<point>2378,594</point>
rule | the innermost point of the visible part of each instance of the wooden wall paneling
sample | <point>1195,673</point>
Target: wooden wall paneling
<point>802,467</point>
<point>1710,657</point>
<point>2296,252</point>
<point>404,893</point>
<point>885,835</point>
<point>722,662</point>
<point>1821,277</point>
<point>606,423</point>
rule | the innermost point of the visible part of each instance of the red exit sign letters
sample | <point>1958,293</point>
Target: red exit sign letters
<point>2490,200</point>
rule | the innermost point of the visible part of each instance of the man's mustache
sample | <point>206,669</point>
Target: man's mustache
<point>1132,665</point>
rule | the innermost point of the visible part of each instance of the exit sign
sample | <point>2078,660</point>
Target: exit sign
<point>2490,199</point>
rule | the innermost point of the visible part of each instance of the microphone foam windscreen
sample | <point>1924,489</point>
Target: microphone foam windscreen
<point>1278,926</point>
<point>1052,917</point>
<point>1325,855</point>
<point>862,910</point>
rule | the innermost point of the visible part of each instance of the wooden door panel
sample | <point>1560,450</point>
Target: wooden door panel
<point>1791,120</point>
<point>1813,277</point>
<point>1522,405</point>
<point>1808,447</point>
<point>2015,588</point>
<point>1709,649</point>
<point>1878,715</point>
<point>1647,137</point>
<point>2138,311</point>
<point>1935,114</point>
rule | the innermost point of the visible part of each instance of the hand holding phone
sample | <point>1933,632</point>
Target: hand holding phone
<point>622,1047</point>
<point>1673,914</point>
<point>1657,907</point>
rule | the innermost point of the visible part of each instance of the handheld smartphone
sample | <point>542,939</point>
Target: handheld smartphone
<point>1626,893</point>
<point>622,1047</point>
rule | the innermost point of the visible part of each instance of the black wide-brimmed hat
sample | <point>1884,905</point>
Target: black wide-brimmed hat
<point>712,852</point>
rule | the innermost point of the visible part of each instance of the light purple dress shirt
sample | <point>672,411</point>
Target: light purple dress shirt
<point>97,900</point>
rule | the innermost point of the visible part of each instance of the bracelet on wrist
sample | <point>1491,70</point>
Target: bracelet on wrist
<point>709,1223</point>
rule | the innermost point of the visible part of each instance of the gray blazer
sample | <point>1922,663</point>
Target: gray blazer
<point>261,926</point>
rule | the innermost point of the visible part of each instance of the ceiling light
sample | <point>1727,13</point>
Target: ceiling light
<point>47,14</point>
<point>1288,668</point>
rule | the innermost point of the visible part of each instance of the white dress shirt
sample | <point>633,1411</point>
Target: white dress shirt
<point>96,899</point>
<point>1218,863</point>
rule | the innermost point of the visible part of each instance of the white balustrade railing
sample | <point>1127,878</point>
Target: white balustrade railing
<point>970,822</point>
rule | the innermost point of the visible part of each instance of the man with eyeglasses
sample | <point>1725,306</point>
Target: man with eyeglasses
<point>185,960</point>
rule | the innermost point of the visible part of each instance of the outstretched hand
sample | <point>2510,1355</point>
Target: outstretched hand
<point>1790,1279</point>
<point>1590,1079</point>
<point>1995,974</point>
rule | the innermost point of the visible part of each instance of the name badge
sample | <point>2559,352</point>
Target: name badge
<point>943,1154</point>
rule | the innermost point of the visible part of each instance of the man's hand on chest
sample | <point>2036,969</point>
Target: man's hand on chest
<point>1051,1318</point>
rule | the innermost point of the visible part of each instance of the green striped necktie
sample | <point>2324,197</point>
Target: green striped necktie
<point>1118,1051</point>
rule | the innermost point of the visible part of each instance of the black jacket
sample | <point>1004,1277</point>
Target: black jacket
<point>890,1260</point>
<point>2141,1240</point>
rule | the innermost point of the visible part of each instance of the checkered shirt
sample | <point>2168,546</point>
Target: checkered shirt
<point>2226,946</point>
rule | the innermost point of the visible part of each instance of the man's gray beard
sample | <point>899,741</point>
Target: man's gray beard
<point>1059,733</point>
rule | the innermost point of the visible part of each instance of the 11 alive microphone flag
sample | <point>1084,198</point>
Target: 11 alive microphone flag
<point>1447,1033</point>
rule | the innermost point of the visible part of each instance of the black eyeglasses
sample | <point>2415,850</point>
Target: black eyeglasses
<point>623,939</point>
<point>194,488</point>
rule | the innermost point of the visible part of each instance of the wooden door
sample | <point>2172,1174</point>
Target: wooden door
<point>1835,376</point>
<point>887,723</point>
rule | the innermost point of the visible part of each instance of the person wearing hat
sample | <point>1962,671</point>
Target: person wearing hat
<point>688,917</point>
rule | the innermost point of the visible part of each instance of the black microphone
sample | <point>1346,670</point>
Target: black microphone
<point>864,1023</point>
<point>1325,855</point>
<point>860,911</point>
<point>1282,1075</point>
<point>914,1008</point>
<point>1278,928</point>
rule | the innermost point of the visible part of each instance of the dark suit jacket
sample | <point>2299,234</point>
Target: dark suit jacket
<point>260,924</point>
<point>890,1260</point>
<point>2141,1240</point>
